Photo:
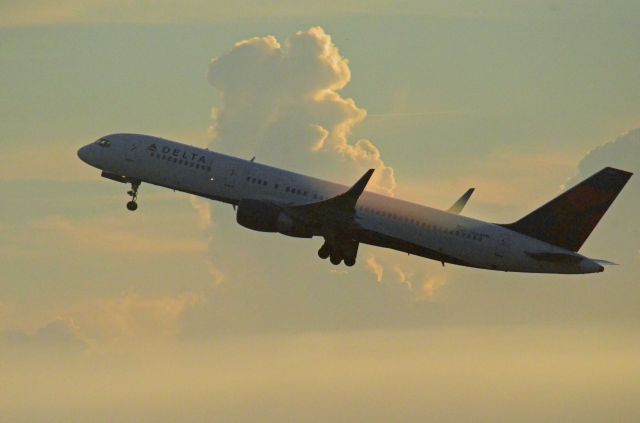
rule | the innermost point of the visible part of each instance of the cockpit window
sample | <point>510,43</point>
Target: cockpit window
<point>102,142</point>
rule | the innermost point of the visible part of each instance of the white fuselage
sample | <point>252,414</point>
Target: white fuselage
<point>413,228</point>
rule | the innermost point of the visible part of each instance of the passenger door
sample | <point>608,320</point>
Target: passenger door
<point>131,154</point>
<point>229,179</point>
<point>501,248</point>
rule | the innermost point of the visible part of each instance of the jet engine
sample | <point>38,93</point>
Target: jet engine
<point>264,216</point>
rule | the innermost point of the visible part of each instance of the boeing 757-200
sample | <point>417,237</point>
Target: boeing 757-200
<point>269,199</point>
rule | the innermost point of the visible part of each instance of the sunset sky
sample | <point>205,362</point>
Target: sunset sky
<point>176,313</point>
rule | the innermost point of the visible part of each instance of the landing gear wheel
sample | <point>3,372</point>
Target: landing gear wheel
<point>133,193</point>
<point>324,251</point>
<point>349,261</point>
<point>335,259</point>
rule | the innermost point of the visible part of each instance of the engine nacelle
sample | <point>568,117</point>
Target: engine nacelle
<point>264,216</point>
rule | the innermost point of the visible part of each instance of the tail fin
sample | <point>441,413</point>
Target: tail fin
<point>568,219</point>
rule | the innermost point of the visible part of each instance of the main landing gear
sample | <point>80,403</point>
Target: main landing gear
<point>346,251</point>
<point>133,193</point>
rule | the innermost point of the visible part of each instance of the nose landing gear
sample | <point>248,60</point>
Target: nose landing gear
<point>133,193</point>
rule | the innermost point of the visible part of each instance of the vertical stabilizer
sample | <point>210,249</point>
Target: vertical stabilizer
<point>568,219</point>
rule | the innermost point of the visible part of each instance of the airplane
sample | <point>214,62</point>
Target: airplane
<point>269,199</point>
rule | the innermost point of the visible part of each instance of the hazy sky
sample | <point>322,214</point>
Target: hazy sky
<point>176,313</point>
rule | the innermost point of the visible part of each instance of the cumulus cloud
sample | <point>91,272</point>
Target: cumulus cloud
<point>282,103</point>
<point>617,230</point>
<point>623,152</point>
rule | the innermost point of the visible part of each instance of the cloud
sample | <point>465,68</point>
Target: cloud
<point>103,323</point>
<point>404,277</point>
<point>111,235</point>
<point>281,103</point>
<point>132,317</point>
<point>373,376</point>
<point>431,285</point>
<point>623,152</point>
<point>423,283</point>
<point>203,209</point>
<point>49,12</point>
<point>618,234</point>
<point>375,267</point>
<point>59,333</point>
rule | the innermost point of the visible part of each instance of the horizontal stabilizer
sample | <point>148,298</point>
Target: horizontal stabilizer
<point>462,201</point>
<point>605,262</point>
<point>555,257</point>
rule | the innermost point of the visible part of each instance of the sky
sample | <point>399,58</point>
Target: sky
<point>175,312</point>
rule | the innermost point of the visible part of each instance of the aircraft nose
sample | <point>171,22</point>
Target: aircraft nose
<point>84,153</point>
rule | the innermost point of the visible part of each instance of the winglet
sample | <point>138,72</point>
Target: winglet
<point>358,188</point>
<point>345,202</point>
<point>462,201</point>
<point>349,199</point>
